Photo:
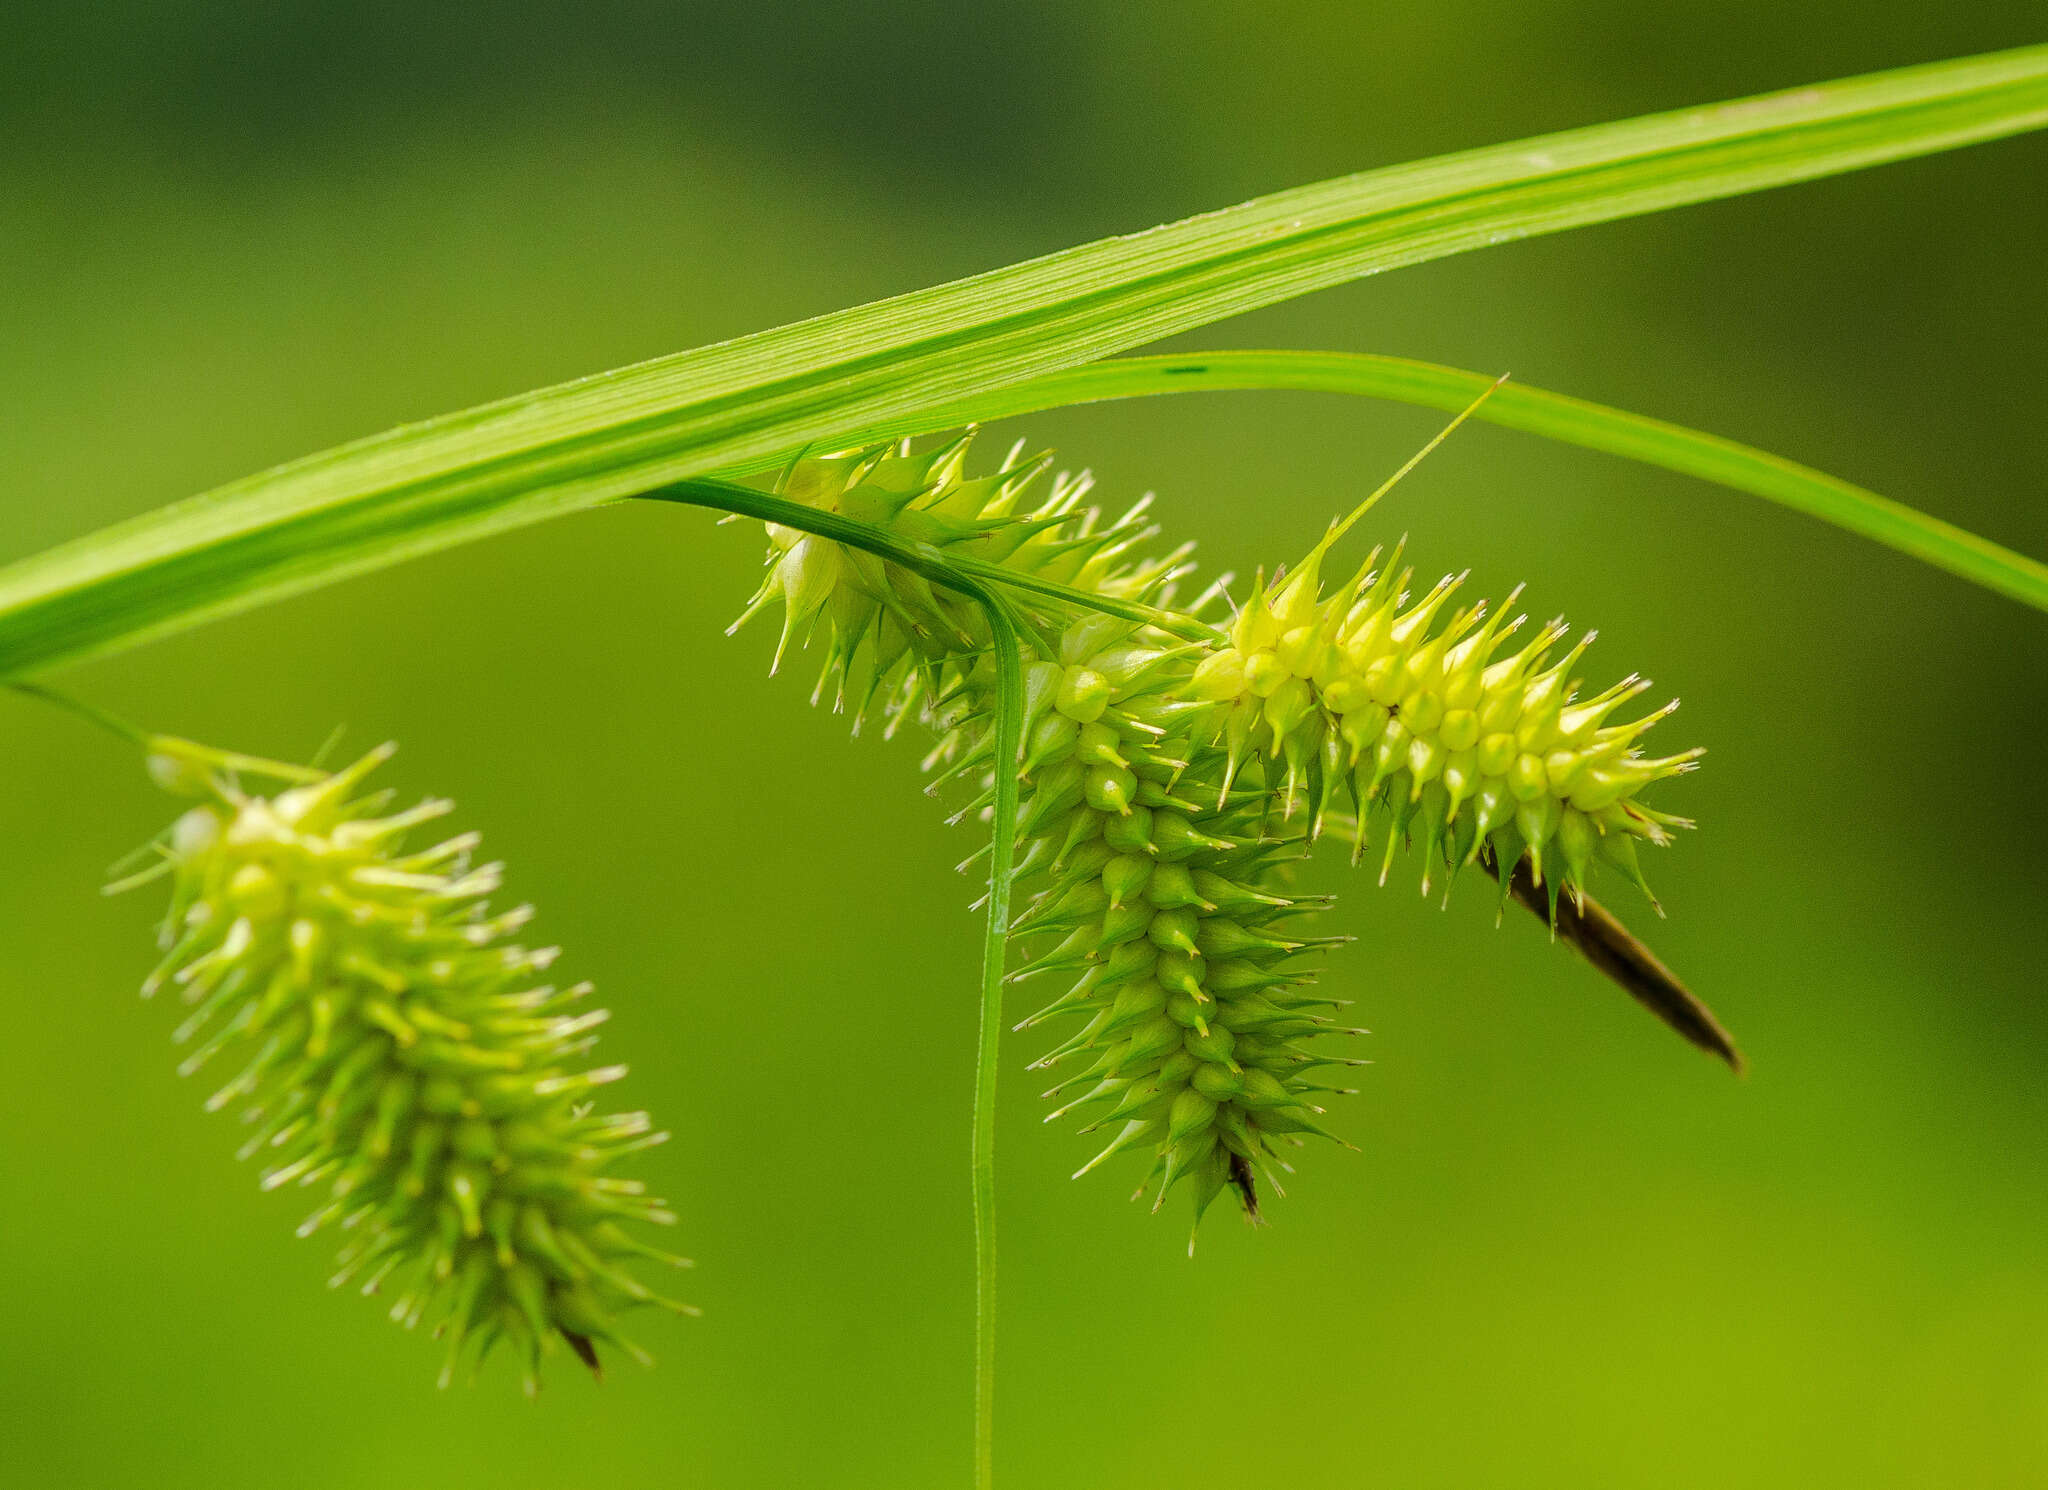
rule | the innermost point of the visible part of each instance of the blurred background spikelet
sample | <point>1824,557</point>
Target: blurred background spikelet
<point>394,1050</point>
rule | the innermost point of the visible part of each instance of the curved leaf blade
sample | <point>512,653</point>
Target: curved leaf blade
<point>741,405</point>
<point>1554,416</point>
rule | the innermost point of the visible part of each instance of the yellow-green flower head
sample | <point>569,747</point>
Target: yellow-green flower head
<point>1160,894</point>
<point>1169,785</point>
<point>393,1048</point>
<point>1434,730</point>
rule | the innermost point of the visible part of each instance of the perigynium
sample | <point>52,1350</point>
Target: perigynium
<point>1172,784</point>
<point>391,1046</point>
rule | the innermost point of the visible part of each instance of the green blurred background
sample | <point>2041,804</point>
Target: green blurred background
<point>1571,1252</point>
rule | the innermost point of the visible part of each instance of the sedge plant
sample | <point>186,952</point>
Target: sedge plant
<point>1151,753</point>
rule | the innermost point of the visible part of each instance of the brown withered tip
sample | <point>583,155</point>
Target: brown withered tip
<point>1606,943</point>
<point>1246,1186</point>
<point>586,1352</point>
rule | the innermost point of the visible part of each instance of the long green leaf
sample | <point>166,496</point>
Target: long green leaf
<point>1556,416</point>
<point>740,405</point>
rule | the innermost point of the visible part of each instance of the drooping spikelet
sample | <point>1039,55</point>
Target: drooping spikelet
<point>1162,896</point>
<point>1363,700</point>
<point>392,1045</point>
<point>1167,789</point>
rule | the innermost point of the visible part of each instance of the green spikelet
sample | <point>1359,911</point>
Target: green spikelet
<point>392,1046</point>
<point>1157,873</point>
<point>1169,786</point>
<point>1435,731</point>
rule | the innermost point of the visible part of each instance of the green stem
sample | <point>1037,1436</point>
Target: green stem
<point>159,746</point>
<point>1171,622</point>
<point>90,713</point>
<point>1535,411</point>
<point>1009,728</point>
<point>1009,723</point>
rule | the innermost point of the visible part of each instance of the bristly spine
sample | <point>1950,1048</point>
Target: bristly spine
<point>393,1046</point>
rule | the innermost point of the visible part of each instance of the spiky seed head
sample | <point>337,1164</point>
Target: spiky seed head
<point>1169,787</point>
<point>394,1048</point>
